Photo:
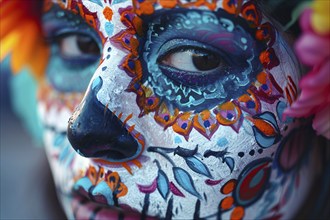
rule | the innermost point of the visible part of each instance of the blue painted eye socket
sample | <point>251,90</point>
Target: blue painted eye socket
<point>75,50</point>
<point>196,59</point>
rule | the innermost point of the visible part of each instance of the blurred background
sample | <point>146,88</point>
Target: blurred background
<point>27,189</point>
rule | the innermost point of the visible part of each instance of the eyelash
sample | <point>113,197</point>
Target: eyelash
<point>195,71</point>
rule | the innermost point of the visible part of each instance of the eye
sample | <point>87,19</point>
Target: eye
<point>77,46</point>
<point>192,59</point>
<point>192,65</point>
<point>75,50</point>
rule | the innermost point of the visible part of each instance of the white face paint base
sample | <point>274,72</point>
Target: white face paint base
<point>242,167</point>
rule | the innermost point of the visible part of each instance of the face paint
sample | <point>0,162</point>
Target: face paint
<point>182,117</point>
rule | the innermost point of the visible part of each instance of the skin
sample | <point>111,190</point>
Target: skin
<point>144,140</point>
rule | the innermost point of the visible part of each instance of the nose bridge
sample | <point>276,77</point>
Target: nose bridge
<point>94,131</point>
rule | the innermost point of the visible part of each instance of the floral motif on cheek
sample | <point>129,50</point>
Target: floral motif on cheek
<point>181,177</point>
<point>247,189</point>
<point>205,121</point>
<point>265,128</point>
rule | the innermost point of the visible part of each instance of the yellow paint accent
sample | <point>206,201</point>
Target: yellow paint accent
<point>321,17</point>
<point>8,43</point>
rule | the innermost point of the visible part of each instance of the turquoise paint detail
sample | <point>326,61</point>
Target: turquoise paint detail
<point>118,1</point>
<point>281,106</point>
<point>269,117</point>
<point>84,183</point>
<point>222,142</point>
<point>69,159</point>
<point>63,155</point>
<point>109,28</point>
<point>103,189</point>
<point>177,140</point>
<point>265,141</point>
<point>96,82</point>
<point>262,140</point>
<point>256,179</point>
<point>184,179</point>
<point>96,2</point>
<point>198,166</point>
<point>59,139</point>
<point>163,184</point>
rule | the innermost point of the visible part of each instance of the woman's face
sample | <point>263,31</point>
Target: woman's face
<point>182,117</point>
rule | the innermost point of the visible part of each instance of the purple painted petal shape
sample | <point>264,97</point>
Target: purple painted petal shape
<point>175,190</point>
<point>148,189</point>
<point>213,182</point>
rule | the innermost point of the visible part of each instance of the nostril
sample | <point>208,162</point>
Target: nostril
<point>118,149</point>
<point>94,131</point>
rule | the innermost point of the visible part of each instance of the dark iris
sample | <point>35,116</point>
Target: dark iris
<point>87,45</point>
<point>205,60</point>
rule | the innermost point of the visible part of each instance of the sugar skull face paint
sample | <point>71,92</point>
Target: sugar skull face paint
<point>183,115</point>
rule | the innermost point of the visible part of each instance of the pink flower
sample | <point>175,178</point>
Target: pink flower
<point>313,49</point>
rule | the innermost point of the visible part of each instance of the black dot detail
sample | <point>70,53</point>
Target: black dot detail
<point>272,155</point>
<point>285,128</point>
<point>251,152</point>
<point>260,151</point>
<point>109,49</point>
<point>241,154</point>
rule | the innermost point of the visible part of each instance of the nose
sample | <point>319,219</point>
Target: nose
<point>94,131</point>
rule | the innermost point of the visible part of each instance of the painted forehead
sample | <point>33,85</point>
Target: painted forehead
<point>149,7</point>
<point>103,14</point>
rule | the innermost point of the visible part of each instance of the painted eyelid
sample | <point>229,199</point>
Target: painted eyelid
<point>175,45</point>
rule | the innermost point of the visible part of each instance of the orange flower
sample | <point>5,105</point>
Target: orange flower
<point>21,36</point>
